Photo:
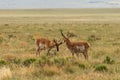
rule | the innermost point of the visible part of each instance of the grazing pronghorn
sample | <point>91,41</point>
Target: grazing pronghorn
<point>76,47</point>
<point>45,44</point>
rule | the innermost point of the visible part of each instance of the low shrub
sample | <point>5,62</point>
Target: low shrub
<point>82,66</point>
<point>28,62</point>
<point>17,61</point>
<point>101,68</point>
<point>108,60</point>
<point>2,62</point>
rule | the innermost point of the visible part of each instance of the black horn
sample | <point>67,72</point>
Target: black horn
<point>56,44</point>
<point>62,34</point>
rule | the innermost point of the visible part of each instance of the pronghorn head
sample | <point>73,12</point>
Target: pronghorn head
<point>57,43</point>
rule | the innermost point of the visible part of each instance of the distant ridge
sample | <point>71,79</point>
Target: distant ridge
<point>67,10</point>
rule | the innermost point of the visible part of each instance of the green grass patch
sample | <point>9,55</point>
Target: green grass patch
<point>28,62</point>
<point>108,60</point>
<point>101,68</point>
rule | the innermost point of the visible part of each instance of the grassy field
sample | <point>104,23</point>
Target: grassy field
<point>99,27</point>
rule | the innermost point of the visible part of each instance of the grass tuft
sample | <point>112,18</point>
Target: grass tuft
<point>28,62</point>
<point>101,68</point>
<point>108,60</point>
<point>2,63</point>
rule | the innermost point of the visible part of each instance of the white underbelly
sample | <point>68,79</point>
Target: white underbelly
<point>42,46</point>
<point>80,48</point>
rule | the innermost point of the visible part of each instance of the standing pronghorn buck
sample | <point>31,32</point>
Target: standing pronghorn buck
<point>45,44</point>
<point>76,47</point>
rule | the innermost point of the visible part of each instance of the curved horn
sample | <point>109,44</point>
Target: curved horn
<point>56,44</point>
<point>62,34</point>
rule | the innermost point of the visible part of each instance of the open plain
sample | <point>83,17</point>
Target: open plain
<point>99,27</point>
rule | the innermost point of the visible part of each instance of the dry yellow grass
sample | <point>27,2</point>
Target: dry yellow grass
<point>20,29</point>
<point>5,73</point>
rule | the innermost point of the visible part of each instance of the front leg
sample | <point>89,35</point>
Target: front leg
<point>72,53</point>
<point>77,54</point>
<point>48,51</point>
<point>85,55</point>
<point>37,51</point>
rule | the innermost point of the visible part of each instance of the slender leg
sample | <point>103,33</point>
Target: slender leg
<point>55,53</point>
<point>48,52</point>
<point>77,54</point>
<point>85,55</point>
<point>38,51</point>
<point>72,54</point>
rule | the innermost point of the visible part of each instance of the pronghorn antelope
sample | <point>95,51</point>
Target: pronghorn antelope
<point>76,47</point>
<point>45,44</point>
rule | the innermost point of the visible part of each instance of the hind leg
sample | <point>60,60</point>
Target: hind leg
<point>38,51</point>
<point>85,55</point>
